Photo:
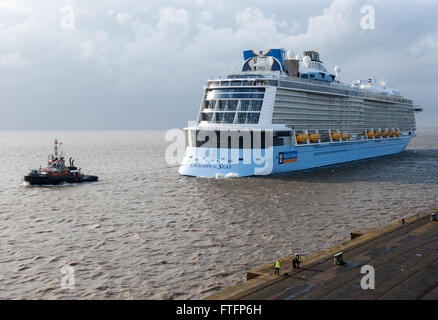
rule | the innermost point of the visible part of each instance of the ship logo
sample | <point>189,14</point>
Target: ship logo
<point>287,157</point>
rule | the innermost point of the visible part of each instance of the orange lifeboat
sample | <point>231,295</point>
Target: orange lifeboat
<point>301,138</point>
<point>314,137</point>
<point>390,133</point>
<point>398,133</point>
<point>384,134</point>
<point>377,134</point>
<point>336,136</point>
<point>370,135</point>
<point>345,136</point>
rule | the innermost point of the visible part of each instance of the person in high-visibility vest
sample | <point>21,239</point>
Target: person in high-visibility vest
<point>296,261</point>
<point>277,268</point>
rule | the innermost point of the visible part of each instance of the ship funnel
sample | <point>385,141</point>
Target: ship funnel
<point>291,65</point>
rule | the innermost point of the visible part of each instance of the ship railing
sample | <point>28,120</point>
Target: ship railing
<point>276,75</point>
<point>358,92</point>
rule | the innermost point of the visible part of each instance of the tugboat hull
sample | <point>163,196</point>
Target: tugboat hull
<point>57,172</point>
<point>87,178</point>
<point>53,180</point>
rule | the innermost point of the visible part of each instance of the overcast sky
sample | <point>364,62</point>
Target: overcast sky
<point>138,64</point>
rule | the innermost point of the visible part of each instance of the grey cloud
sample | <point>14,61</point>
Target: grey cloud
<point>142,65</point>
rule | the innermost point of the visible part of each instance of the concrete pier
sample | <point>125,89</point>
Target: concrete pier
<point>404,256</point>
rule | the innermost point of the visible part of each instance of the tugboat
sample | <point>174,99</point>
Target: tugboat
<point>57,172</point>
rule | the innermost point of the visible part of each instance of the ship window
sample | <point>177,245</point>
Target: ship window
<point>236,83</point>
<point>210,104</point>
<point>219,117</point>
<point>253,117</point>
<point>305,76</point>
<point>256,105</point>
<point>241,117</point>
<point>232,105</point>
<point>222,104</point>
<point>241,90</point>
<point>278,140</point>
<point>228,117</point>
<point>234,95</point>
<point>244,105</point>
<point>207,116</point>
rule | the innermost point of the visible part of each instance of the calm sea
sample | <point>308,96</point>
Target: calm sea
<point>145,232</point>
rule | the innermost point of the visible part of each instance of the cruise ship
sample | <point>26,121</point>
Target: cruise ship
<point>284,112</point>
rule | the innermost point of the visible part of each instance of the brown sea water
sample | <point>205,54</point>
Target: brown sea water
<point>145,232</point>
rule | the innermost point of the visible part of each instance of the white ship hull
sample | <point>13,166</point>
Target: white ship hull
<point>285,158</point>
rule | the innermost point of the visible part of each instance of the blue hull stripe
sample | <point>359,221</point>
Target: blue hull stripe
<point>293,158</point>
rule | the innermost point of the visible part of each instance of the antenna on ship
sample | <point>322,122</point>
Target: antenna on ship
<point>56,142</point>
<point>56,148</point>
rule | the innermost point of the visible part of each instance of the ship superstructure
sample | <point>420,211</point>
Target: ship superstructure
<point>285,113</point>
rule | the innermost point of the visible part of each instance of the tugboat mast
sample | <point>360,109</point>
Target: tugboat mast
<point>56,148</point>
